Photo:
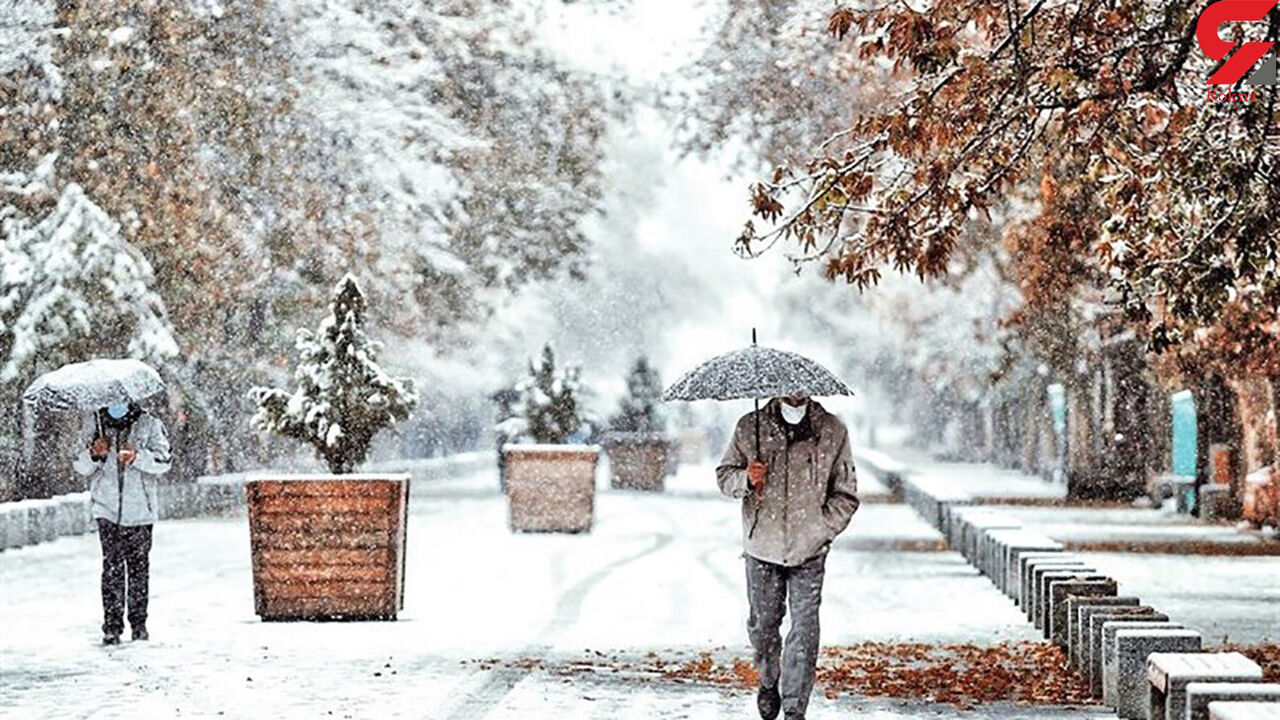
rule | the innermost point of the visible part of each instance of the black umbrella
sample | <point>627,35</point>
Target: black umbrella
<point>756,372</point>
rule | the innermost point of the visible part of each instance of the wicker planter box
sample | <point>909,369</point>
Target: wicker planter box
<point>328,547</point>
<point>638,461</point>
<point>551,488</point>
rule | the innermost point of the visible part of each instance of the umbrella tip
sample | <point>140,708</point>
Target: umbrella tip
<point>753,336</point>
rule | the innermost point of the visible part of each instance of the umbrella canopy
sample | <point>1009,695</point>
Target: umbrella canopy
<point>756,372</point>
<point>91,385</point>
<point>84,387</point>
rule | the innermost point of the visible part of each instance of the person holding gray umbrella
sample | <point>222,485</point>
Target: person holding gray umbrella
<point>791,466</point>
<point>121,449</point>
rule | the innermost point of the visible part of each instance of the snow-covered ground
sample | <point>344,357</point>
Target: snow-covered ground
<point>1228,599</point>
<point>658,573</point>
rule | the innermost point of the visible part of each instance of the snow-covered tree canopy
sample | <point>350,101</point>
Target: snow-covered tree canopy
<point>26,50</point>
<point>473,154</point>
<point>71,289</point>
<point>766,81</point>
<point>343,398</point>
<point>640,409</point>
<point>254,151</point>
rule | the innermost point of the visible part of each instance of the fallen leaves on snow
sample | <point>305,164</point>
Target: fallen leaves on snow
<point>960,675</point>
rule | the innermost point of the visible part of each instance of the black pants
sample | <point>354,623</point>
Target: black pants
<point>124,564</point>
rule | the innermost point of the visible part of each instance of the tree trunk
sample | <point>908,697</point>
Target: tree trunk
<point>1082,461</point>
<point>1218,421</point>
<point>1031,431</point>
<point>1131,452</point>
<point>1275,418</point>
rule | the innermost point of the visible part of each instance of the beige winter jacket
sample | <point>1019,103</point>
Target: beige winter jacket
<point>810,491</point>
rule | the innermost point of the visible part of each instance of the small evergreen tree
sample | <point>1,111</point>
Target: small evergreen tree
<point>549,401</point>
<point>638,410</point>
<point>343,397</point>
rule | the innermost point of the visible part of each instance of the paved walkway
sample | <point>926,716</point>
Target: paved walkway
<point>658,573</point>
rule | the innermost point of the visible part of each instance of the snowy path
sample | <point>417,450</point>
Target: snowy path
<point>657,573</point>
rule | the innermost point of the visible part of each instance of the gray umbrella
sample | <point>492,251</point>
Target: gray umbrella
<point>91,385</point>
<point>756,372</point>
<point>86,386</point>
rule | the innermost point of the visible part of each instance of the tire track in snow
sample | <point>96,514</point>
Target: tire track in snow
<point>569,608</point>
<point>705,560</point>
<point>477,703</point>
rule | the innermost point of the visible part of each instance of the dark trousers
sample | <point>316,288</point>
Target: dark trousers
<point>125,551</point>
<point>770,588</point>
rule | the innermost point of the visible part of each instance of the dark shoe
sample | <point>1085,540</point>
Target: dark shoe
<point>140,633</point>
<point>110,639</point>
<point>795,716</point>
<point>768,702</point>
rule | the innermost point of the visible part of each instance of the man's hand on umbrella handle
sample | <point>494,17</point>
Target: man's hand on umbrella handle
<point>755,475</point>
<point>98,450</point>
<point>128,454</point>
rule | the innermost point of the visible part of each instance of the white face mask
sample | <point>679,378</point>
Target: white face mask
<point>792,414</point>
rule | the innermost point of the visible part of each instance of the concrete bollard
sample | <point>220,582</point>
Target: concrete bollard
<point>1200,694</point>
<point>1169,674</point>
<point>14,525</point>
<point>1062,590</point>
<point>1091,656</point>
<point>1043,585</point>
<point>1014,551</point>
<point>978,535</point>
<point>1018,568</point>
<point>1004,546</point>
<point>1105,651</point>
<point>79,508</point>
<point>1079,610</point>
<point>1035,573</point>
<point>1133,647</point>
<point>65,517</point>
<point>1026,571</point>
<point>42,520</point>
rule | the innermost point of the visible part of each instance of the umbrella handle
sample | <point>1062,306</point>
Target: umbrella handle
<point>757,401</point>
<point>757,418</point>
<point>759,499</point>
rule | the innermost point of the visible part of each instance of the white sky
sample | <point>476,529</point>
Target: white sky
<point>665,214</point>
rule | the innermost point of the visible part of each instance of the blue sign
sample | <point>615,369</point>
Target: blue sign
<point>1184,433</point>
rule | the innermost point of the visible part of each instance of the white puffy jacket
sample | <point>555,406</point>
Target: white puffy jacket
<point>131,499</point>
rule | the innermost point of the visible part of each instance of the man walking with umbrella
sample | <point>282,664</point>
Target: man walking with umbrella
<point>121,445</point>
<point>790,464</point>
<point>798,492</point>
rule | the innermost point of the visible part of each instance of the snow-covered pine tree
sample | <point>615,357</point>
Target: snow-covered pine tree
<point>639,409</point>
<point>343,398</point>
<point>72,288</point>
<point>549,402</point>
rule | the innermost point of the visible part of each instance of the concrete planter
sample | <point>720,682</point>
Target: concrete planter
<point>638,461</point>
<point>14,525</point>
<point>551,488</point>
<point>328,546</point>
